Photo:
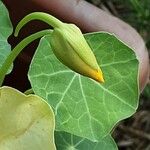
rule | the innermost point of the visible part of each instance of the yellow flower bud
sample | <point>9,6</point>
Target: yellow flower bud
<point>71,48</point>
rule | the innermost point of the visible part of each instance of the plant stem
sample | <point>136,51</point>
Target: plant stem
<point>15,52</point>
<point>52,21</point>
<point>29,91</point>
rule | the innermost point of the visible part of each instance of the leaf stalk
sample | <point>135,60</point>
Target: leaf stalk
<point>16,51</point>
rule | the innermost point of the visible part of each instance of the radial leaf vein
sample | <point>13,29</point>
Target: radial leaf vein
<point>63,95</point>
<point>86,104</point>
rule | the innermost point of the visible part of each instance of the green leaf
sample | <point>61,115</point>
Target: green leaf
<point>66,141</point>
<point>5,31</point>
<point>82,106</point>
<point>26,122</point>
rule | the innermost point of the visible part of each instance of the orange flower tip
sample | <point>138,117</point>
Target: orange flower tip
<point>98,76</point>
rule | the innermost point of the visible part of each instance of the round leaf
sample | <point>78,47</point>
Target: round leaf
<point>83,106</point>
<point>26,122</point>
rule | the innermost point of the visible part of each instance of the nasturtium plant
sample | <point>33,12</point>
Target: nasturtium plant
<point>26,121</point>
<point>85,110</point>
<point>83,106</point>
<point>5,31</point>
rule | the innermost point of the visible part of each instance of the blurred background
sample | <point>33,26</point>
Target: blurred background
<point>133,133</point>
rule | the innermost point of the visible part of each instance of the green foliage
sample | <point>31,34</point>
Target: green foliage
<point>138,15</point>
<point>146,91</point>
<point>26,122</point>
<point>5,31</point>
<point>66,141</point>
<point>82,106</point>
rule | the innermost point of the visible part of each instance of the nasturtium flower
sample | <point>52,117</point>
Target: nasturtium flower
<point>71,48</point>
<point>69,45</point>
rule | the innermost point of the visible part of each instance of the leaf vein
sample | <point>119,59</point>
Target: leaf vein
<point>63,95</point>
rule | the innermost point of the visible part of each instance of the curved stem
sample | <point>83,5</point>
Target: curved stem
<point>15,52</point>
<point>29,91</point>
<point>52,21</point>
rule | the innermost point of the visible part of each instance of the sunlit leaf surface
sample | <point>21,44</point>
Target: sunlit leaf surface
<point>26,122</point>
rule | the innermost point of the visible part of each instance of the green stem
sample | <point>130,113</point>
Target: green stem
<point>15,52</point>
<point>52,21</point>
<point>29,91</point>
